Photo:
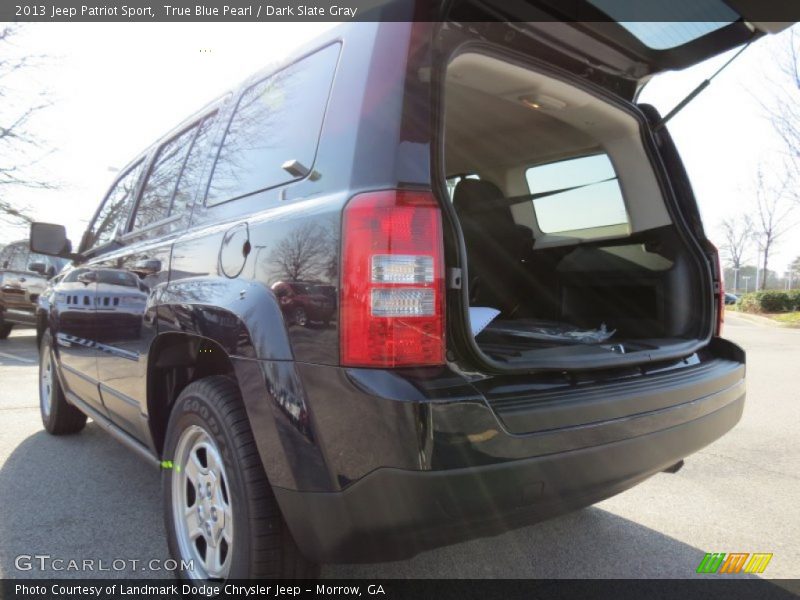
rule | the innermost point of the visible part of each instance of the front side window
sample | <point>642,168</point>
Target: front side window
<point>276,120</point>
<point>113,215</point>
<point>16,258</point>
<point>596,201</point>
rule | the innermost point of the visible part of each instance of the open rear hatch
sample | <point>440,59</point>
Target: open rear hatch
<point>622,44</point>
<point>582,240</point>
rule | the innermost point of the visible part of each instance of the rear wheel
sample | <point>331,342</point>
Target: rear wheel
<point>58,416</point>
<point>219,509</point>
<point>5,329</point>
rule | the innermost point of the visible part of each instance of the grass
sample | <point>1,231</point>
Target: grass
<point>792,318</point>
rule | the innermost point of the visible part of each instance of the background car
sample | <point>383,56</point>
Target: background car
<point>23,277</point>
<point>731,298</point>
<point>305,301</point>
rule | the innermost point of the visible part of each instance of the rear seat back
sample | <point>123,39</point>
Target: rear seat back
<point>496,245</point>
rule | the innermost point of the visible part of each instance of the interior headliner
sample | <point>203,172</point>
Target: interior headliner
<point>490,131</point>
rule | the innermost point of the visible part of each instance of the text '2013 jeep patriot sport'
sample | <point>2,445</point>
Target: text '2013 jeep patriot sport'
<point>509,306</point>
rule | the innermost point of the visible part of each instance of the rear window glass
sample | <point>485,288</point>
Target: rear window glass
<point>596,203</point>
<point>670,24</point>
<point>276,120</point>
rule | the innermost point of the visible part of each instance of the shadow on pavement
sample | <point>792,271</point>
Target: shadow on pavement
<point>78,497</point>
<point>86,497</point>
<point>22,345</point>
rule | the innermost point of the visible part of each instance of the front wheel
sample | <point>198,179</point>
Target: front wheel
<point>58,416</point>
<point>221,516</point>
<point>5,330</point>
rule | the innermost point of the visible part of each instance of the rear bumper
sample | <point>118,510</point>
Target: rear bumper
<point>467,485</point>
<point>394,513</point>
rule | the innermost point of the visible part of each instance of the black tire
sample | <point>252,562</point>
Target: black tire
<point>262,545</point>
<point>5,330</point>
<point>58,416</point>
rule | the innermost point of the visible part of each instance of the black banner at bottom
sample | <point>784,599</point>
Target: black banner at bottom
<point>706,588</point>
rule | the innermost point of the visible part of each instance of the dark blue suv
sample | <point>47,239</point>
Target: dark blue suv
<point>522,313</point>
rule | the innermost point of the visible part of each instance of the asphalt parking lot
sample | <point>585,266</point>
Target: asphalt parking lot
<point>85,496</point>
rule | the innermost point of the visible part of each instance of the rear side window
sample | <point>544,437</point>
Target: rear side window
<point>170,187</point>
<point>159,188</point>
<point>113,215</point>
<point>193,168</point>
<point>276,120</point>
<point>597,203</point>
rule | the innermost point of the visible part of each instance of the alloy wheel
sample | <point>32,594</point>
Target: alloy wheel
<point>202,508</point>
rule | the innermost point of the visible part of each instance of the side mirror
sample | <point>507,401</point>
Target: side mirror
<point>50,239</point>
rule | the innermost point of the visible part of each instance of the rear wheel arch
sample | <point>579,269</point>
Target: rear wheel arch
<point>175,361</point>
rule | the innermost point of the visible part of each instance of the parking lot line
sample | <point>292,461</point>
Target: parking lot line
<point>19,358</point>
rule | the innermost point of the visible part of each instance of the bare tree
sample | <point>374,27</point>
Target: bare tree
<point>737,233</point>
<point>20,149</point>
<point>774,209</point>
<point>794,266</point>
<point>303,255</point>
<point>783,106</point>
<point>793,273</point>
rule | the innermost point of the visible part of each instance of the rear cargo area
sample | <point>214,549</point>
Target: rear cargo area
<point>572,253</point>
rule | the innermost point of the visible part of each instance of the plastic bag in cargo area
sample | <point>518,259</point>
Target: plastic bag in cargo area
<point>548,331</point>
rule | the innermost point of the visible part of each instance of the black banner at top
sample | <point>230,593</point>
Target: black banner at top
<point>397,10</point>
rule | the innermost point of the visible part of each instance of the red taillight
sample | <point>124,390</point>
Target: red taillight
<point>392,292</point>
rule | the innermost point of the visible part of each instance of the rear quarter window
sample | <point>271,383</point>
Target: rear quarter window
<point>276,120</point>
<point>597,201</point>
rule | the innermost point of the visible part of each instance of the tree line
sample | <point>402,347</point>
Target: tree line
<point>751,235</point>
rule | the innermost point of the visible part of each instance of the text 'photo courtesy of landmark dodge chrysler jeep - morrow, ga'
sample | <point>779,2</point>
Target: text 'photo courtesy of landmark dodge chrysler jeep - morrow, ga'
<point>422,282</point>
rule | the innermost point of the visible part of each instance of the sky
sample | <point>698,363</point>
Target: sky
<point>116,87</point>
